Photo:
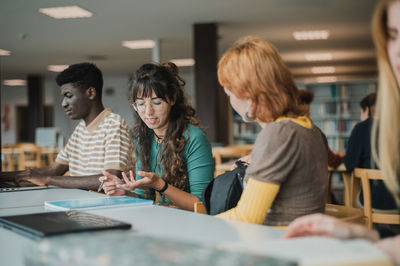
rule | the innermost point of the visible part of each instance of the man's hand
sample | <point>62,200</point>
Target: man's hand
<point>31,176</point>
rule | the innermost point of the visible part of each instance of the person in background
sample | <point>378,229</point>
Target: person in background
<point>385,134</point>
<point>99,142</point>
<point>358,152</point>
<point>358,155</point>
<point>279,180</point>
<point>367,105</point>
<point>306,97</point>
<point>173,154</point>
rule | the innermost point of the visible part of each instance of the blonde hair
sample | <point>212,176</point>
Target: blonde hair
<point>253,69</point>
<point>386,128</point>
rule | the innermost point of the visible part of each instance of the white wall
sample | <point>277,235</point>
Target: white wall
<point>13,97</point>
<point>10,98</point>
<point>118,100</point>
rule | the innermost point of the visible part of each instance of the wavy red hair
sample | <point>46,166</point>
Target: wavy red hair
<point>253,69</point>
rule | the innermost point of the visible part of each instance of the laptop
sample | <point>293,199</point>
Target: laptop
<point>10,186</point>
<point>39,225</point>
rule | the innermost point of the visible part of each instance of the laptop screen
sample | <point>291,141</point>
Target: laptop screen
<point>40,225</point>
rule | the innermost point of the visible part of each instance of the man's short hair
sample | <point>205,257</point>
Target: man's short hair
<point>368,101</point>
<point>83,76</point>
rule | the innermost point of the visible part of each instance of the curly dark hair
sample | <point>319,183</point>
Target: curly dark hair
<point>166,83</point>
<point>83,76</point>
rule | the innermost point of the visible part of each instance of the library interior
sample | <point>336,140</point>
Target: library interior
<point>200,132</point>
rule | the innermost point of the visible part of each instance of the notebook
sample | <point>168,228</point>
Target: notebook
<point>39,225</point>
<point>97,203</point>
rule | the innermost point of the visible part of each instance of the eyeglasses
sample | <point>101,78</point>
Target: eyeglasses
<point>140,105</point>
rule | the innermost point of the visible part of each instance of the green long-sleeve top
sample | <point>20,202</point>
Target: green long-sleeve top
<point>199,162</point>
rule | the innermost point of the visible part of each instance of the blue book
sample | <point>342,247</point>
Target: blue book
<point>97,203</point>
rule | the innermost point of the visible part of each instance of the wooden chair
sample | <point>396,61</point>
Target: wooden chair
<point>48,155</point>
<point>199,208</point>
<point>346,177</point>
<point>29,156</point>
<point>232,151</point>
<point>371,215</point>
<point>7,160</point>
<point>345,213</point>
<point>228,152</point>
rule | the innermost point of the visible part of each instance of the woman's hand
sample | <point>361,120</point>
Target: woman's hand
<point>324,225</point>
<point>110,184</point>
<point>246,160</point>
<point>149,180</point>
<point>391,247</point>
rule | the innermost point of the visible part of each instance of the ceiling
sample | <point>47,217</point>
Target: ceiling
<point>37,40</point>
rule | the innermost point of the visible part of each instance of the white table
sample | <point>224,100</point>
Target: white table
<point>152,220</point>
<point>148,220</point>
<point>31,198</point>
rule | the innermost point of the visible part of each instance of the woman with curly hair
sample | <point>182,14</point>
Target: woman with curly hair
<point>173,154</point>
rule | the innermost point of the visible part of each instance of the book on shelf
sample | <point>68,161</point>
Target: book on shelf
<point>97,203</point>
<point>333,91</point>
<point>343,91</point>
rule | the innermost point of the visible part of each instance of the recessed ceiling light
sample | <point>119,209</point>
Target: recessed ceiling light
<point>4,52</point>
<point>311,35</point>
<point>326,79</point>
<point>56,68</point>
<point>140,44</point>
<point>183,62</point>
<point>323,70</point>
<point>66,12</point>
<point>319,57</point>
<point>14,82</point>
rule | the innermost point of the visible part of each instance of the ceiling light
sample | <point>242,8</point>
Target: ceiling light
<point>183,62</point>
<point>140,44</point>
<point>56,68</point>
<point>14,82</point>
<point>323,70</point>
<point>311,35</point>
<point>319,57</point>
<point>4,52</point>
<point>66,12</point>
<point>326,79</point>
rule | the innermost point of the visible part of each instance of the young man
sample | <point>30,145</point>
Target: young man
<point>100,141</point>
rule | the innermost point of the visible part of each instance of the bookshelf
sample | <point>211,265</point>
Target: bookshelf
<point>244,133</point>
<point>336,108</point>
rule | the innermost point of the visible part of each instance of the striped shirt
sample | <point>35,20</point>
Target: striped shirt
<point>103,144</point>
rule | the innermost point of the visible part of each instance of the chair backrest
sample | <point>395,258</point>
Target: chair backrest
<point>199,208</point>
<point>29,156</point>
<point>49,155</point>
<point>232,152</point>
<point>345,213</point>
<point>7,160</point>
<point>372,215</point>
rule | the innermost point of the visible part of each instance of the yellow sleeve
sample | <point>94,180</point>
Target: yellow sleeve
<point>254,203</point>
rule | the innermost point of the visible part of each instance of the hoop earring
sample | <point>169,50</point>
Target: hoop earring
<point>248,118</point>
